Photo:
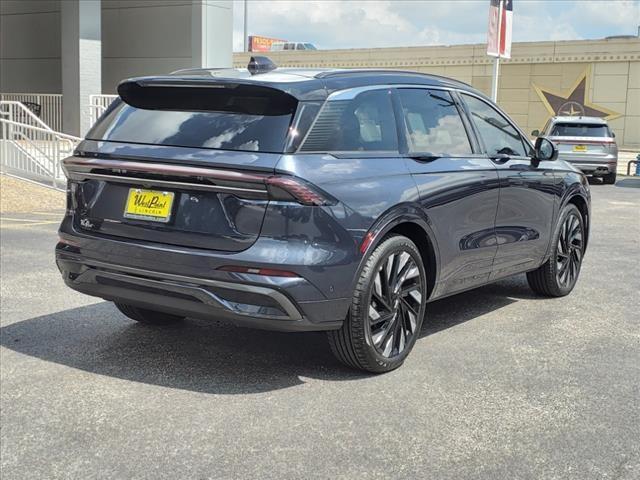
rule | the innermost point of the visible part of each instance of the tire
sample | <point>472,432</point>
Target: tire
<point>558,276</point>
<point>609,178</point>
<point>148,317</point>
<point>387,309</point>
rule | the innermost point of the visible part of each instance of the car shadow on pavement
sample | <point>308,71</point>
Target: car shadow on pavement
<point>214,357</point>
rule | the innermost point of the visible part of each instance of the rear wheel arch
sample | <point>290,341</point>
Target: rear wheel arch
<point>416,228</point>
<point>420,237</point>
<point>581,203</point>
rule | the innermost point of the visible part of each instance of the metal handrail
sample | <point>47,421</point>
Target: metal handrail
<point>45,130</point>
<point>98,104</point>
<point>34,152</point>
<point>50,105</point>
<point>49,169</point>
<point>24,110</point>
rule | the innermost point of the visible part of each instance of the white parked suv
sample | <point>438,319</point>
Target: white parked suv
<point>586,142</point>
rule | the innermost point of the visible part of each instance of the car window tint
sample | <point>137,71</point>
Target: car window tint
<point>580,130</point>
<point>216,130</point>
<point>498,134</point>
<point>365,123</point>
<point>433,122</point>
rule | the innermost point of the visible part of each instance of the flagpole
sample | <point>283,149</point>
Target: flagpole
<point>496,60</point>
<point>494,80</point>
<point>245,32</point>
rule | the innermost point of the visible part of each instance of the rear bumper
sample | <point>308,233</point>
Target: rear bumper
<point>190,282</point>
<point>593,166</point>
<point>245,305</point>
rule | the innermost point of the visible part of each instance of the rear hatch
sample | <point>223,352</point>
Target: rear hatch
<point>184,166</point>
<point>583,141</point>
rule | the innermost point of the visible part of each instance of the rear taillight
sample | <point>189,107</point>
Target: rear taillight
<point>287,188</point>
<point>279,187</point>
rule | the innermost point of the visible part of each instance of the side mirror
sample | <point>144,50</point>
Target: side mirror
<point>545,149</point>
<point>613,134</point>
<point>535,133</point>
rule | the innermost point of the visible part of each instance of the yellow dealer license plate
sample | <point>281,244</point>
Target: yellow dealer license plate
<point>149,205</point>
<point>579,148</point>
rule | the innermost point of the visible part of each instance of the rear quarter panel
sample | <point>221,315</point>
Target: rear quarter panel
<point>366,188</point>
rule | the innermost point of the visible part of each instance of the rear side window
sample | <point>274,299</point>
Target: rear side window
<point>498,135</point>
<point>366,123</point>
<point>580,130</point>
<point>433,122</point>
<point>224,130</point>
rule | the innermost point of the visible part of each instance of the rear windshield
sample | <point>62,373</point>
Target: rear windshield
<point>580,130</point>
<point>225,130</point>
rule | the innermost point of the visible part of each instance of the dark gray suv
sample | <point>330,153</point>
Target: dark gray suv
<point>297,200</point>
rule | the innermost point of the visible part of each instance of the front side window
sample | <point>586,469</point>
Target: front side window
<point>498,135</point>
<point>365,123</point>
<point>580,130</point>
<point>433,122</point>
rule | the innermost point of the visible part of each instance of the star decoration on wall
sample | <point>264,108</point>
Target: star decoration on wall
<point>574,102</point>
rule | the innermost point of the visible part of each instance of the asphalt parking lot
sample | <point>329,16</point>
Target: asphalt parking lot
<point>502,384</point>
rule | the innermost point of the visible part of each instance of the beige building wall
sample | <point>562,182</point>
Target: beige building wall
<point>610,68</point>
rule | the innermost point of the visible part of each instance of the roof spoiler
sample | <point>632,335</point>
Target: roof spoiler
<point>206,94</point>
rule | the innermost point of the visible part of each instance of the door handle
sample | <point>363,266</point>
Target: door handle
<point>500,158</point>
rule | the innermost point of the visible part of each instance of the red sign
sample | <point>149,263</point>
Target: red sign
<point>261,44</point>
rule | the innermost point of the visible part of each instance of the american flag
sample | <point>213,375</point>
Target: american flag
<point>500,27</point>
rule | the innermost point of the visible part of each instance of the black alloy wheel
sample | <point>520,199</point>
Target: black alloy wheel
<point>558,275</point>
<point>569,251</point>
<point>387,308</point>
<point>395,304</point>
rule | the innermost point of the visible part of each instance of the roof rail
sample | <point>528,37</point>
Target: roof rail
<point>352,71</point>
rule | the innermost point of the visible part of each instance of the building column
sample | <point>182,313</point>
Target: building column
<point>81,62</point>
<point>212,33</point>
